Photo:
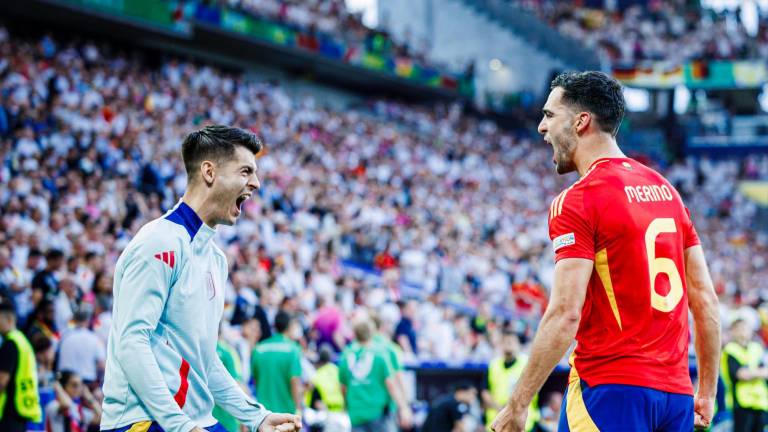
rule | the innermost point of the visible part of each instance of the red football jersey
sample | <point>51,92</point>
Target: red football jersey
<point>632,223</point>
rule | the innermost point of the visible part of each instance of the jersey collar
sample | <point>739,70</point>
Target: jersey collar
<point>185,216</point>
<point>598,162</point>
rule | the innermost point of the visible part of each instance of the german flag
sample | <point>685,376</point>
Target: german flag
<point>699,70</point>
<point>625,73</point>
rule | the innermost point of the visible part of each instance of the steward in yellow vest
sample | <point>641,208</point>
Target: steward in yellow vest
<point>745,377</point>
<point>19,399</point>
<point>503,374</point>
<point>325,385</point>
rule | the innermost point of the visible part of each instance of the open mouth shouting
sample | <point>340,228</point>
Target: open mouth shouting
<point>238,207</point>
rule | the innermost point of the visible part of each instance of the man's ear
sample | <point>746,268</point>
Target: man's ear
<point>583,120</point>
<point>208,171</point>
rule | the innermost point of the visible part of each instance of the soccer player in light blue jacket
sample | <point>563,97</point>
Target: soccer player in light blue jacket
<point>162,371</point>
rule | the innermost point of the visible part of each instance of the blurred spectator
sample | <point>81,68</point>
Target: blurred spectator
<point>746,375</point>
<point>368,384</point>
<point>65,302</point>
<point>503,373</point>
<point>47,280</point>
<point>328,324</point>
<point>74,408</point>
<point>43,321</point>
<point>45,355</point>
<point>82,351</point>
<point>405,333</point>
<point>276,366</point>
<point>325,395</point>
<point>231,360</point>
<point>447,412</point>
<point>18,375</point>
<point>550,413</point>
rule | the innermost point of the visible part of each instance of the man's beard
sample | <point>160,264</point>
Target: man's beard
<point>564,158</point>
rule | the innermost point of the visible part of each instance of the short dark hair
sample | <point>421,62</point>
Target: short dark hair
<point>282,321</point>
<point>65,376</point>
<point>216,143</point>
<point>462,385</point>
<point>7,306</point>
<point>595,92</point>
<point>54,254</point>
<point>41,342</point>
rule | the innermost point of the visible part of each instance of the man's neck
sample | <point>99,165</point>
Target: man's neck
<point>197,202</point>
<point>594,148</point>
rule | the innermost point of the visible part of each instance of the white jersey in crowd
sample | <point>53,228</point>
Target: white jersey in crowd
<point>161,356</point>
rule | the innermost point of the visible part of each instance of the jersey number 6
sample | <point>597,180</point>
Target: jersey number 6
<point>657,265</point>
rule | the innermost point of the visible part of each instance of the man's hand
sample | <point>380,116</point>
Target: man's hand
<point>281,423</point>
<point>703,410</point>
<point>405,418</point>
<point>510,419</point>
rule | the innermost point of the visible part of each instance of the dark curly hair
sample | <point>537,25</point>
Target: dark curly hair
<point>596,93</point>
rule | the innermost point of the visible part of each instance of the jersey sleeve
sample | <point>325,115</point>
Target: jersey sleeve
<point>228,395</point>
<point>571,227</point>
<point>690,237</point>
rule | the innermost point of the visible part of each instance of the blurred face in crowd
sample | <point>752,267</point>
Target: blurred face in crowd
<point>74,387</point>
<point>559,129</point>
<point>467,396</point>
<point>68,287</point>
<point>232,182</point>
<point>510,346</point>
<point>5,257</point>
<point>7,322</point>
<point>741,332</point>
<point>56,263</point>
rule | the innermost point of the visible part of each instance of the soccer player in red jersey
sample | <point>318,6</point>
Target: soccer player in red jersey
<point>628,269</point>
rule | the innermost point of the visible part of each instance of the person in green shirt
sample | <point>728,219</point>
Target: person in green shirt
<point>276,367</point>
<point>231,361</point>
<point>382,339</point>
<point>368,382</point>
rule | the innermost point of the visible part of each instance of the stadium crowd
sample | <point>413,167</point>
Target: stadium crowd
<point>428,218</point>
<point>674,31</point>
<point>328,18</point>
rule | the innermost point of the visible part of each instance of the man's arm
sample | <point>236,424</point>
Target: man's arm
<point>228,395</point>
<point>557,328</point>
<point>9,356</point>
<point>745,373</point>
<point>297,391</point>
<point>702,301</point>
<point>5,378</point>
<point>143,290</point>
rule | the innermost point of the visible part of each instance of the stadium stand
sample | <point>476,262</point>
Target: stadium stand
<point>367,207</point>
<point>670,31</point>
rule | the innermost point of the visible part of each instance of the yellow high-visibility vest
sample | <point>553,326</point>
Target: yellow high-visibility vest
<point>752,394</point>
<point>501,381</point>
<point>326,381</point>
<point>26,398</point>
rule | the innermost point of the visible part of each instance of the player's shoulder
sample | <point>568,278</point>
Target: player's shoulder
<point>573,197</point>
<point>159,236</point>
